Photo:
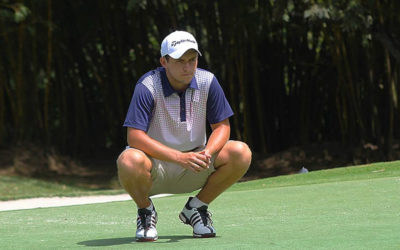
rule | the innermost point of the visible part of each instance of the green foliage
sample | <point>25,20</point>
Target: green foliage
<point>17,12</point>
<point>317,12</point>
<point>350,15</point>
<point>21,13</point>
<point>295,72</point>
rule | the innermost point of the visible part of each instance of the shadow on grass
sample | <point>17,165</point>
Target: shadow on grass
<point>130,240</point>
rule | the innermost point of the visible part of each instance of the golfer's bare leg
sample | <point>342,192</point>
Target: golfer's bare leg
<point>231,164</point>
<point>134,172</point>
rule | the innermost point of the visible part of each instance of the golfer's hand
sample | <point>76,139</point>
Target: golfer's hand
<point>204,152</point>
<point>195,161</point>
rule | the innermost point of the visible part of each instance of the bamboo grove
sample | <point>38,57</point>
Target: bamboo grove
<point>295,72</point>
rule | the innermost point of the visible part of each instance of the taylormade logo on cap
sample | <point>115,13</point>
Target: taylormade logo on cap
<point>177,43</point>
<point>174,43</point>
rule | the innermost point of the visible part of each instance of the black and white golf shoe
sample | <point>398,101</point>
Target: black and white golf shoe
<point>146,225</point>
<point>199,219</point>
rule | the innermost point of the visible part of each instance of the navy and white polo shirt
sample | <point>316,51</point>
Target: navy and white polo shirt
<point>177,120</point>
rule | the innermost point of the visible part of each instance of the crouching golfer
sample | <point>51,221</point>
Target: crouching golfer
<point>166,133</point>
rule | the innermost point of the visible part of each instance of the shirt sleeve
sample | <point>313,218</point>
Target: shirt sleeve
<point>218,108</point>
<point>140,108</point>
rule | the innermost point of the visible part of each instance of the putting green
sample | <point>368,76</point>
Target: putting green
<point>358,214</point>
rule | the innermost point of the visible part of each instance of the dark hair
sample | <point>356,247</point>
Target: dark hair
<point>167,57</point>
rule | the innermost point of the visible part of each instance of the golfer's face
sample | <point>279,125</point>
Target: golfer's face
<point>182,70</point>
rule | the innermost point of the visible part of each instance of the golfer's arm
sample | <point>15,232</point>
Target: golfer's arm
<point>140,140</point>
<point>219,136</point>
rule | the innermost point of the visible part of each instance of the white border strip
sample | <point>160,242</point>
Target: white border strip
<point>63,201</point>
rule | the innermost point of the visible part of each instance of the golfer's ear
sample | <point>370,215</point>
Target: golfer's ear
<point>163,61</point>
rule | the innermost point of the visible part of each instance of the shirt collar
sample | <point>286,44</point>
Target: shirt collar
<point>167,88</point>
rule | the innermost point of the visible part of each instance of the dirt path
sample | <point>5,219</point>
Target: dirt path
<point>62,201</point>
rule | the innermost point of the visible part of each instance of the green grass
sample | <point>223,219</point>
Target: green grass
<point>344,208</point>
<point>362,172</point>
<point>14,187</point>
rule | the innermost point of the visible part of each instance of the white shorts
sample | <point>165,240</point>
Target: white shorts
<point>171,178</point>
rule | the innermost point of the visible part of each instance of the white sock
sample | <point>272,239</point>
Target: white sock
<point>150,208</point>
<point>195,202</point>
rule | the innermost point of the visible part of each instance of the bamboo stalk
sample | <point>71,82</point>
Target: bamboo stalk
<point>48,69</point>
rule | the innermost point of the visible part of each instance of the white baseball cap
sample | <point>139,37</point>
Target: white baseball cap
<point>177,43</point>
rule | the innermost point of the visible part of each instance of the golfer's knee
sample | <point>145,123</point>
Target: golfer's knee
<point>131,161</point>
<point>240,154</point>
